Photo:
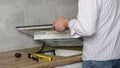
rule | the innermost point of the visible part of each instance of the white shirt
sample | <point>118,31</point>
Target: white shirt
<point>98,22</point>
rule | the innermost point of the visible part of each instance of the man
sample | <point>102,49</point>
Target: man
<point>98,22</point>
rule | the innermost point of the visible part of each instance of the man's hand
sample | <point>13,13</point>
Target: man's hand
<point>60,24</point>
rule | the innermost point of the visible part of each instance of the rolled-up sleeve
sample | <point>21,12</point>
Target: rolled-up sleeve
<point>88,14</point>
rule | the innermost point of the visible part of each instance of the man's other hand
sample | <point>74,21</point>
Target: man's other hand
<point>60,24</point>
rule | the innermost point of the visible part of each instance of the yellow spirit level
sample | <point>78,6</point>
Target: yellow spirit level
<point>39,57</point>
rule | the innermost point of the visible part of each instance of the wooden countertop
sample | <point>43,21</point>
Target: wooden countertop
<point>8,60</point>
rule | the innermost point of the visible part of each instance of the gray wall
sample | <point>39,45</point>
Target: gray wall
<point>29,12</point>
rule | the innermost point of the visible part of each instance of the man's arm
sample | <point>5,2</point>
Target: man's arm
<point>88,14</point>
<point>85,24</point>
